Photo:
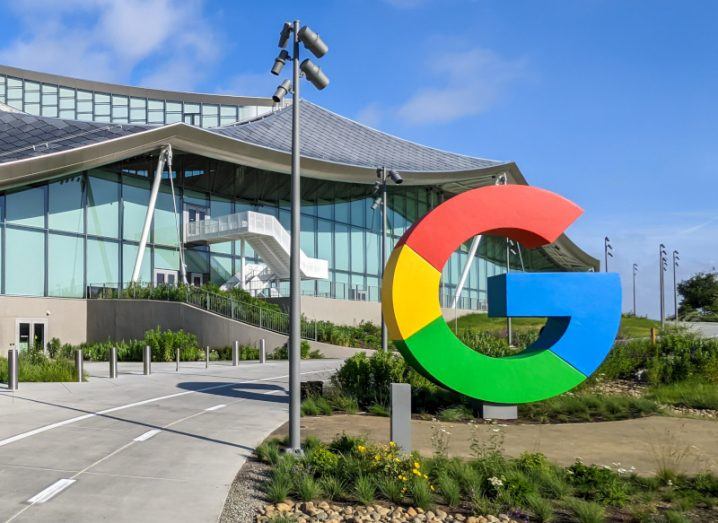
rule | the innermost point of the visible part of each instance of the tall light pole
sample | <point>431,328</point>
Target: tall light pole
<point>607,251</point>
<point>635,271</point>
<point>314,74</point>
<point>380,199</point>
<point>675,286</point>
<point>661,269</point>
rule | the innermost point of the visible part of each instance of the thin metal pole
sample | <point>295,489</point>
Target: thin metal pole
<point>206,357</point>
<point>177,356</point>
<point>147,361</point>
<point>12,369</point>
<point>78,365</point>
<point>605,255</point>
<point>661,285</point>
<point>294,275</point>
<point>235,354</point>
<point>384,332</point>
<point>508,269</point>
<point>634,291</point>
<point>467,268</point>
<point>675,289</point>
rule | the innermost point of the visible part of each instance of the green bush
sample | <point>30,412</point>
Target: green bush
<point>691,394</point>
<point>598,484</point>
<point>579,407</point>
<point>586,511</point>
<point>34,366</point>
<point>365,490</point>
<point>282,353</point>
<point>316,406</point>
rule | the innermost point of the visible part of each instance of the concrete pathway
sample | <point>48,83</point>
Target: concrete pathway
<point>686,445</point>
<point>164,447</point>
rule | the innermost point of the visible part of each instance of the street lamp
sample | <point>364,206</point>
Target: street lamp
<point>316,45</point>
<point>635,271</point>
<point>675,287</point>
<point>662,266</point>
<point>379,195</point>
<point>607,251</point>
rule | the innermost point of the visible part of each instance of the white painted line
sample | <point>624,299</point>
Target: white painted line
<point>216,407</point>
<point>51,491</point>
<point>52,426</point>
<point>147,435</point>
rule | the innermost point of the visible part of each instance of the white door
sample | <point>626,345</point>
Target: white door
<point>165,277</point>
<point>196,279</point>
<point>30,333</point>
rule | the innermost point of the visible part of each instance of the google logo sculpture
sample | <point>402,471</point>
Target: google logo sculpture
<point>583,308</point>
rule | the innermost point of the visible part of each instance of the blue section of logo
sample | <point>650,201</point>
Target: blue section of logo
<point>583,311</point>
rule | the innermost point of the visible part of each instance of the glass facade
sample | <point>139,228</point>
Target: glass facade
<point>58,101</point>
<point>61,236</point>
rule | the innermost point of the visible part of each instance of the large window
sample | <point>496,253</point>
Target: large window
<point>25,262</point>
<point>65,205</point>
<point>102,204</point>
<point>102,262</point>
<point>66,266</point>
<point>26,207</point>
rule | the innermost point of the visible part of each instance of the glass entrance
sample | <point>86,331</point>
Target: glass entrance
<point>31,333</point>
<point>165,277</point>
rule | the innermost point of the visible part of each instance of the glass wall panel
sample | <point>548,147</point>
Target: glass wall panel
<point>166,259</point>
<point>102,205</point>
<point>341,211</point>
<point>197,261</point>
<point>102,262</point>
<point>129,255</point>
<point>135,198</point>
<point>358,250</point>
<point>308,236</point>
<point>220,269</point>
<point>165,221</point>
<point>65,205</point>
<point>325,241</point>
<point>66,267</point>
<point>25,262</point>
<point>220,207</point>
<point>357,212</point>
<point>341,247</point>
<point>26,207</point>
<point>373,254</point>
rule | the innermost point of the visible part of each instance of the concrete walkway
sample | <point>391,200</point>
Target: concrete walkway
<point>686,445</point>
<point>164,447</point>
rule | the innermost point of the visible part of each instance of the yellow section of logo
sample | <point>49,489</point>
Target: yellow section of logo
<point>410,293</point>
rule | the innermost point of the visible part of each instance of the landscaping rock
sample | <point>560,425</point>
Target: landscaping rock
<point>330,513</point>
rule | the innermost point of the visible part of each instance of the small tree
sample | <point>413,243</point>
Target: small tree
<point>700,295</point>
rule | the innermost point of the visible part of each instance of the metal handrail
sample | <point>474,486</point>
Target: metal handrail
<point>249,313</point>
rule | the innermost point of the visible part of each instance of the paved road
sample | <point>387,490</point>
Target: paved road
<point>164,447</point>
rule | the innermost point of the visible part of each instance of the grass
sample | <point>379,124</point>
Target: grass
<point>365,490</point>
<point>316,406</point>
<point>587,511</point>
<point>690,394</point>
<point>377,409</point>
<point>631,326</point>
<point>587,407</point>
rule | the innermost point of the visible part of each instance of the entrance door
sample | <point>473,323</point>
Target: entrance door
<point>193,214</point>
<point>165,277</point>
<point>30,333</point>
<point>196,279</point>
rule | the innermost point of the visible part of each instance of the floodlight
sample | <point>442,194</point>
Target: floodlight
<point>279,62</point>
<point>314,74</point>
<point>282,90</point>
<point>395,177</point>
<point>376,204</point>
<point>285,34</point>
<point>312,41</point>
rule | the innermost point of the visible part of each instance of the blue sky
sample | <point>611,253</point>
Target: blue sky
<point>610,103</point>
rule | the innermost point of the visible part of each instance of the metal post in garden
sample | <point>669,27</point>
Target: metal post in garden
<point>401,415</point>
<point>206,357</point>
<point>78,365</point>
<point>113,362</point>
<point>235,354</point>
<point>147,361</point>
<point>12,369</point>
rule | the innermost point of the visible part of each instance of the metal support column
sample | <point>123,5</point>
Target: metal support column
<point>177,357</point>
<point>150,212</point>
<point>384,207</point>
<point>242,265</point>
<point>113,362</point>
<point>147,361</point>
<point>235,354</point>
<point>79,365</point>
<point>206,357</point>
<point>263,351</point>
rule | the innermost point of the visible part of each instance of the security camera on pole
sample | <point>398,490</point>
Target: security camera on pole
<point>607,251</point>
<point>314,74</point>
<point>662,267</point>
<point>675,286</point>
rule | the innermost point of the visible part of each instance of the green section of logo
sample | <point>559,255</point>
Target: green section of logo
<point>531,375</point>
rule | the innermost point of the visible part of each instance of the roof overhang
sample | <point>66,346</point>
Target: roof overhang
<point>195,140</point>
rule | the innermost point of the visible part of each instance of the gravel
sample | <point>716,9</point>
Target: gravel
<point>245,497</point>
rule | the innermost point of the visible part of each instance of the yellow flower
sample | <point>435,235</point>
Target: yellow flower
<point>377,457</point>
<point>361,448</point>
<point>426,477</point>
<point>416,464</point>
<point>392,444</point>
<point>432,487</point>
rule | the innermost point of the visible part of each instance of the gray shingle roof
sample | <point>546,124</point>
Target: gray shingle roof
<point>325,136</point>
<point>328,136</point>
<point>26,136</point>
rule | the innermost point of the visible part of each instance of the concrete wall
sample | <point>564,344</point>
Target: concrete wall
<point>348,312</point>
<point>130,319</point>
<point>66,318</point>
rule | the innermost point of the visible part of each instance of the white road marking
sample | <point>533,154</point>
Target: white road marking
<point>70,421</point>
<point>216,407</point>
<point>147,435</point>
<point>51,491</point>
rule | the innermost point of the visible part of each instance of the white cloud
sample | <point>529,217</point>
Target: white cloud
<point>110,39</point>
<point>466,83</point>
<point>370,115</point>
<point>252,84</point>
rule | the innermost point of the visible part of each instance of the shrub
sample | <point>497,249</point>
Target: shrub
<point>343,403</point>
<point>449,489</point>
<point>586,511</point>
<point>421,493</point>
<point>365,489</point>
<point>691,394</point>
<point>34,366</point>
<point>541,509</point>
<point>457,413</point>
<point>282,353</point>
<point>332,487</point>
<point>377,409</point>
<point>321,460</point>
<point>598,484</point>
<point>369,379</point>
<point>391,489</point>
<point>307,487</point>
<point>587,407</point>
<point>316,406</point>
<point>277,488</point>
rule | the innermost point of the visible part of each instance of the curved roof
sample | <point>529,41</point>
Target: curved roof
<point>329,136</point>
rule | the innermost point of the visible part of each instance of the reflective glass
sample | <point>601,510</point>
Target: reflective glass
<point>165,222</point>
<point>65,271</point>
<point>325,241</point>
<point>341,248</point>
<point>197,261</point>
<point>135,198</point>
<point>220,269</point>
<point>129,255</point>
<point>220,207</point>
<point>65,205</point>
<point>166,259</point>
<point>357,243</point>
<point>373,242</point>
<point>308,236</point>
<point>26,207</point>
<point>102,262</point>
<point>102,204</point>
<point>25,262</point>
